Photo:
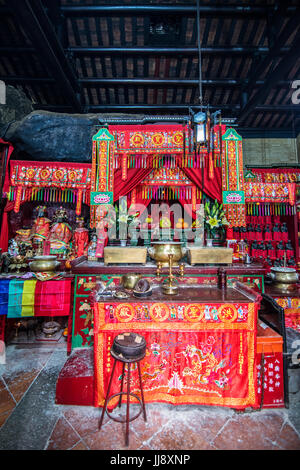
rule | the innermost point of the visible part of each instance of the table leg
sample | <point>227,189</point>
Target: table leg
<point>107,395</point>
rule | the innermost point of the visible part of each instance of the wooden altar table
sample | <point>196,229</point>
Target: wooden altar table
<point>201,345</point>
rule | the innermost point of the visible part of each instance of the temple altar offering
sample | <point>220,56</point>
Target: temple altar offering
<point>40,229</point>
<point>209,255</point>
<point>60,234</point>
<point>44,264</point>
<point>160,251</point>
<point>80,238</point>
<point>92,248</point>
<point>126,254</point>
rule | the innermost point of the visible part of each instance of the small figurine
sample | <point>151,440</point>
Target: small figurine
<point>254,252</point>
<point>13,248</point>
<point>289,249</point>
<point>269,261</point>
<point>92,248</point>
<point>284,232</point>
<point>280,250</point>
<point>267,233</point>
<point>80,239</point>
<point>60,234</point>
<point>291,262</point>
<point>40,229</point>
<point>276,232</point>
<point>250,230</point>
<point>24,237</point>
<point>6,261</point>
<point>258,232</point>
<point>271,252</point>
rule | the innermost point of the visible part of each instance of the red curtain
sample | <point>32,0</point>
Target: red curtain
<point>6,184</point>
<point>134,177</point>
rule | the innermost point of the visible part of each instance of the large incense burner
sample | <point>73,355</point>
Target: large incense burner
<point>160,251</point>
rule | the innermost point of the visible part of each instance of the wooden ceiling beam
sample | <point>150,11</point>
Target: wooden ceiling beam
<point>32,17</point>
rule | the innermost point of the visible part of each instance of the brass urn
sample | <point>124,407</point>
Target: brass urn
<point>160,251</point>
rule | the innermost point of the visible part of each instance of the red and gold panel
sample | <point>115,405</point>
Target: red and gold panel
<point>291,306</point>
<point>196,353</point>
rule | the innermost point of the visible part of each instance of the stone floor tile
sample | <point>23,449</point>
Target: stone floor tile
<point>84,419</point>
<point>156,418</point>
<point>4,416</point>
<point>249,433</point>
<point>205,421</point>
<point>7,404</point>
<point>288,439</point>
<point>79,446</point>
<point>112,437</point>
<point>2,384</point>
<point>178,436</point>
<point>63,436</point>
<point>20,382</point>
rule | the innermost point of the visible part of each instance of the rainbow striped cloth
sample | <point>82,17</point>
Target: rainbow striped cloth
<point>21,296</point>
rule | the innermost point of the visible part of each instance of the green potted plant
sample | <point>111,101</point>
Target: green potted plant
<point>122,220</point>
<point>215,223</point>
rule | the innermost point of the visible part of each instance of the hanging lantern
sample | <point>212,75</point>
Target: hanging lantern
<point>200,128</point>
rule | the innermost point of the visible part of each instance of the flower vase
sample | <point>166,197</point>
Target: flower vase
<point>209,242</point>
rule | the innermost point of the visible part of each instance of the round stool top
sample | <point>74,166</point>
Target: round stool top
<point>129,347</point>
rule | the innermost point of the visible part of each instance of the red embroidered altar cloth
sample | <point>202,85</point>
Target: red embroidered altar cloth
<point>197,352</point>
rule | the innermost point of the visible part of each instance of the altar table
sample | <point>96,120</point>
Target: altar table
<point>201,345</point>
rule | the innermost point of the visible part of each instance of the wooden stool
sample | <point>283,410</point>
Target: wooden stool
<point>127,348</point>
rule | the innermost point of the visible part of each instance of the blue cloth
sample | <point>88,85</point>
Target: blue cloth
<point>15,294</point>
<point>4,288</point>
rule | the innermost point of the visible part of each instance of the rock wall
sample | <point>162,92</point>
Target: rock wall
<point>17,105</point>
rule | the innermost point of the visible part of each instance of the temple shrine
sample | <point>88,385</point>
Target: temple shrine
<point>159,232</point>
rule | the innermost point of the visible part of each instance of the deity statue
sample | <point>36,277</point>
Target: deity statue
<point>80,239</point>
<point>60,234</point>
<point>40,229</point>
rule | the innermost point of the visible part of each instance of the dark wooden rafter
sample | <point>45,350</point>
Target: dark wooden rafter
<point>153,82</point>
<point>213,10</point>
<point>85,57</point>
<point>144,51</point>
<point>274,75</point>
<point>31,14</point>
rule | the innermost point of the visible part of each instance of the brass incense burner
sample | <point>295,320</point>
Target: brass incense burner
<point>285,279</point>
<point>44,264</point>
<point>160,251</point>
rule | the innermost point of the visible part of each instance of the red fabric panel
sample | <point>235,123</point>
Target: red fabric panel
<point>4,235</point>
<point>211,187</point>
<point>5,188</point>
<point>134,177</point>
<point>53,298</point>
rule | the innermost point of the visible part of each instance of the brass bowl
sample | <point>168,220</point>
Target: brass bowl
<point>284,275</point>
<point>129,280</point>
<point>160,251</point>
<point>41,264</point>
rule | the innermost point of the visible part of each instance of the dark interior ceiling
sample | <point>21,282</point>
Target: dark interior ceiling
<point>141,57</point>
